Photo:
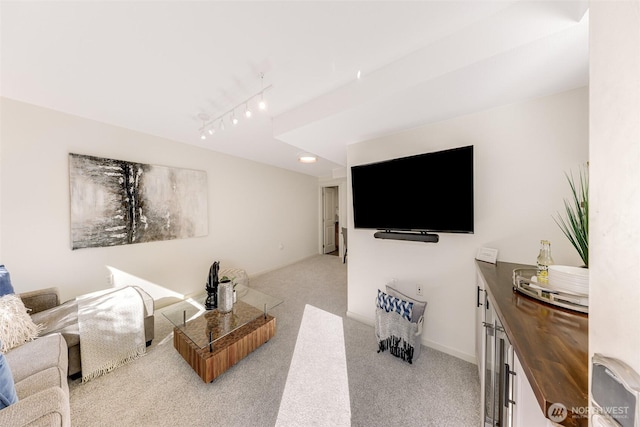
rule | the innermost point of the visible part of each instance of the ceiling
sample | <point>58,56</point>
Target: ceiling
<point>154,67</point>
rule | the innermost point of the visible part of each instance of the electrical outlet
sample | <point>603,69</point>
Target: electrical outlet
<point>419,289</point>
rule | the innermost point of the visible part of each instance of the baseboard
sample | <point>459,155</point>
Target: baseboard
<point>360,318</point>
<point>448,350</point>
<point>278,267</point>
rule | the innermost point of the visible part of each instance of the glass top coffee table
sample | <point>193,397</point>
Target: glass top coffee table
<point>211,341</point>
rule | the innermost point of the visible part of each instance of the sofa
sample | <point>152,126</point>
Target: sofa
<point>42,353</point>
<point>39,369</point>
<point>45,309</point>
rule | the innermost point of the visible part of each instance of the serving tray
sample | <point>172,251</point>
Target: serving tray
<point>523,283</point>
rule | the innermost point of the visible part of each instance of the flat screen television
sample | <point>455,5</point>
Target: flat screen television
<point>425,192</point>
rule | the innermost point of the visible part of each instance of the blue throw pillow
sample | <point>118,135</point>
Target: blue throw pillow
<point>418,306</point>
<point>8,394</point>
<point>390,303</point>
<point>5,282</point>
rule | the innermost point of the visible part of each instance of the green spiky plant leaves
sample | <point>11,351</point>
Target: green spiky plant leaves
<point>575,223</point>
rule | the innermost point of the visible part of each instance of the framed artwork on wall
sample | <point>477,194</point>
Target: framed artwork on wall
<point>115,202</point>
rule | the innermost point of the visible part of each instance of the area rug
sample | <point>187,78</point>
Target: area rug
<point>317,389</point>
<point>111,326</point>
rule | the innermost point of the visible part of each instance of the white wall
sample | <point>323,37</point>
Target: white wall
<point>614,325</point>
<point>253,208</point>
<point>522,152</point>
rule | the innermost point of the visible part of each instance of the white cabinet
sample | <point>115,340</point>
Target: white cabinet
<point>526,411</point>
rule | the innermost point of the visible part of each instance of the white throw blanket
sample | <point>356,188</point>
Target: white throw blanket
<point>396,334</point>
<point>111,326</point>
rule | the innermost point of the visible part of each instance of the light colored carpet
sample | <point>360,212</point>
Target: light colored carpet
<point>160,389</point>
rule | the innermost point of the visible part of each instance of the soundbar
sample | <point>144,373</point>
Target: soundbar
<point>414,237</point>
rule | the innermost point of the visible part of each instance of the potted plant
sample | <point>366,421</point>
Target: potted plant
<point>575,223</point>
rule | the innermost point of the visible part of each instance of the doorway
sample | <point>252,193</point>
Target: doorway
<point>330,221</point>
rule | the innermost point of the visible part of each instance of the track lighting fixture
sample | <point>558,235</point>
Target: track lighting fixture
<point>209,123</point>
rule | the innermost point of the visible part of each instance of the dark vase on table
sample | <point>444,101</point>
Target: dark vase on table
<point>211,302</point>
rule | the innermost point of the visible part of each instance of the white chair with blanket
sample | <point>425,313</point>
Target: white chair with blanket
<point>63,318</point>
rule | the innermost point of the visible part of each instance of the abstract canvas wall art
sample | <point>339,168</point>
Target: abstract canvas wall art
<point>115,202</point>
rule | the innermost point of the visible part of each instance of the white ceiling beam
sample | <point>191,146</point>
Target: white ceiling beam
<point>517,25</point>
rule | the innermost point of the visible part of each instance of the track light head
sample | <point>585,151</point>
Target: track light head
<point>204,118</point>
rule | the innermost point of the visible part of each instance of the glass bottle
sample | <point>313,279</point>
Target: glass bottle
<point>544,261</point>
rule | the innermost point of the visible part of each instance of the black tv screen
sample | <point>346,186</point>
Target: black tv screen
<point>426,192</point>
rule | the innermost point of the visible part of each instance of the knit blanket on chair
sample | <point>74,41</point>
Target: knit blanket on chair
<point>396,334</point>
<point>111,326</point>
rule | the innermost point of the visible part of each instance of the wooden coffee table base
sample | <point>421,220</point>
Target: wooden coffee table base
<point>227,351</point>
